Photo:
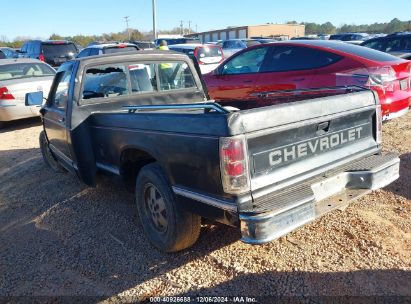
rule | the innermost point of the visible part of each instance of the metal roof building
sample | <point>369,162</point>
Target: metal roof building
<point>266,30</point>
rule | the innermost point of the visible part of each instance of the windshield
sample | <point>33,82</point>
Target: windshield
<point>251,42</point>
<point>203,52</point>
<point>171,41</point>
<point>25,70</point>
<point>336,37</point>
<point>116,49</point>
<point>59,50</point>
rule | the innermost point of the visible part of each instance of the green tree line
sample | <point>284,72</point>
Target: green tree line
<point>84,40</point>
<point>393,26</point>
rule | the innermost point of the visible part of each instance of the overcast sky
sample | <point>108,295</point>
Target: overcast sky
<point>40,18</point>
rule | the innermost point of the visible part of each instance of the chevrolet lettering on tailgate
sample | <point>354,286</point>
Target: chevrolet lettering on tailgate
<point>313,146</point>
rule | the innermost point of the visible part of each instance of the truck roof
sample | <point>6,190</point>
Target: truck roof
<point>140,55</point>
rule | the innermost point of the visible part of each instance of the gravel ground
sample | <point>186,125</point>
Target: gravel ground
<point>60,238</point>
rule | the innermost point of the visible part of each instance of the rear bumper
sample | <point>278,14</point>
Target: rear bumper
<point>317,196</point>
<point>394,115</point>
<point>395,104</point>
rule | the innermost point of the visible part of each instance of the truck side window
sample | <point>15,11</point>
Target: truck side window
<point>61,92</point>
<point>142,77</point>
<point>175,76</point>
<point>105,81</point>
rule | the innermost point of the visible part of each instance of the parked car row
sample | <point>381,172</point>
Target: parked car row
<point>398,44</point>
<point>259,69</point>
<point>107,48</point>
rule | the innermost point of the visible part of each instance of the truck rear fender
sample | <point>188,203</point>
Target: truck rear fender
<point>131,161</point>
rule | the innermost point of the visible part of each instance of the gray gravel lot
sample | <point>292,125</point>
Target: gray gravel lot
<point>59,237</point>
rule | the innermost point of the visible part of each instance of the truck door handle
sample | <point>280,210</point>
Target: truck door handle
<point>62,119</point>
<point>299,79</point>
<point>247,81</point>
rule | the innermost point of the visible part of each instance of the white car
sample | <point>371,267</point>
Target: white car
<point>352,38</point>
<point>208,56</point>
<point>17,78</point>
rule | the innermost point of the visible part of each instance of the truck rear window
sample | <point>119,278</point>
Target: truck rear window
<point>25,70</point>
<point>59,50</point>
<point>105,81</point>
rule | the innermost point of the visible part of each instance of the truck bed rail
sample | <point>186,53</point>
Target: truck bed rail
<point>208,106</point>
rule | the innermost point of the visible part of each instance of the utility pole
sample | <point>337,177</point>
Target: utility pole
<point>154,20</point>
<point>189,27</point>
<point>128,29</point>
<point>181,28</point>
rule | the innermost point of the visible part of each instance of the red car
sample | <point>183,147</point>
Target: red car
<point>265,69</point>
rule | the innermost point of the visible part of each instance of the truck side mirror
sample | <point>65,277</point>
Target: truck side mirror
<point>34,98</point>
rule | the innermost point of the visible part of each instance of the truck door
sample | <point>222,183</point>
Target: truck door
<point>55,115</point>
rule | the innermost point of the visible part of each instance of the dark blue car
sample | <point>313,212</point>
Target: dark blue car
<point>6,52</point>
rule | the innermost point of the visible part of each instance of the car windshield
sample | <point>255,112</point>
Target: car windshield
<point>171,41</point>
<point>116,49</point>
<point>25,70</point>
<point>336,37</point>
<point>208,51</point>
<point>59,50</point>
<point>251,42</point>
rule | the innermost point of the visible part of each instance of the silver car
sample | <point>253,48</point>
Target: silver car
<point>232,46</point>
<point>18,77</point>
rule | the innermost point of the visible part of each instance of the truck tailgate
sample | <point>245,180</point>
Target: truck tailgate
<point>292,142</point>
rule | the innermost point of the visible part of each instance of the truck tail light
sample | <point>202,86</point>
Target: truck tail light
<point>234,165</point>
<point>378,127</point>
<point>42,58</point>
<point>5,94</point>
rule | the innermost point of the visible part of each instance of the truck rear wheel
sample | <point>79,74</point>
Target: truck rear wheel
<point>168,227</point>
<point>48,157</point>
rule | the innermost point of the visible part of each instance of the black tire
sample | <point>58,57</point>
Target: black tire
<point>48,156</point>
<point>168,227</point>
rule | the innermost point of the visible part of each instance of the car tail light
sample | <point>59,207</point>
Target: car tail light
<point>42,58</point>
<point>378,127</point>
<point>234,165</point>
<point>222,55</point>
<point>383,78</point>
<point>5,94</point>
<point>196,55</point>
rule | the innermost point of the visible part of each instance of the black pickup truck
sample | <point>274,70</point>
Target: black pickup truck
<point>265,169</point>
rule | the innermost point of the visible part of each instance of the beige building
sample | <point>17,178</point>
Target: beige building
<point>286,31</point>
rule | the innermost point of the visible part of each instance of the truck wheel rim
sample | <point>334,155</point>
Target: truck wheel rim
<point>156,208</point>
